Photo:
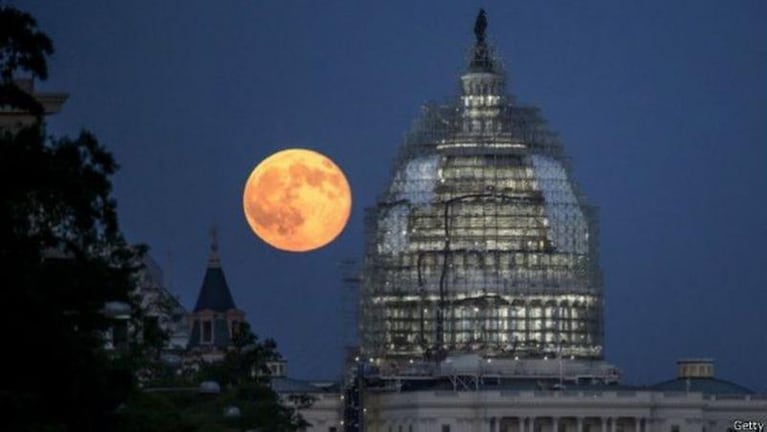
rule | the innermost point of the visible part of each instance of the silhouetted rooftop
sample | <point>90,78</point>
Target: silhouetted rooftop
<point>214,294</point>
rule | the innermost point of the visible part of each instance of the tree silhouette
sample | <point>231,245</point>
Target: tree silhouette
<point>62,260</point>
<point>23,48</point>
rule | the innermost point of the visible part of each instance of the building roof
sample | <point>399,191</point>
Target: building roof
<point>511,384</point>
<point>290,385</point>
<point>707,386</point>
<point>214,293</point>
<point>703,385</point>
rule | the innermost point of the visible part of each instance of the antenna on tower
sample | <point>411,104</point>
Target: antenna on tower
<point>214,238</point>
<point>214,260</point>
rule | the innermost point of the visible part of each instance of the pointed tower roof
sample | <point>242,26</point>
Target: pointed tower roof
<point>214,294</point>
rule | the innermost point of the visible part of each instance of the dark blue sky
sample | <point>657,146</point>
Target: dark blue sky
<point>662,106</point>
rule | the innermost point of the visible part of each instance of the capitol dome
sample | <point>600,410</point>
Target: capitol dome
<point>482,242</point>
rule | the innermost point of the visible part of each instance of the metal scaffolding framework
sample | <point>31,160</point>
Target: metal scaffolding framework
<point>482,243</point>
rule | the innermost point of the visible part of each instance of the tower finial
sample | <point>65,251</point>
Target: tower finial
<point>480,25</point>
<point>213,239</point>
<point>213,260</point>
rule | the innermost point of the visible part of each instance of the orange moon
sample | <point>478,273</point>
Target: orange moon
<point>297,200</point>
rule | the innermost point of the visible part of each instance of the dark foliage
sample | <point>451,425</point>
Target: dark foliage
<point>244,385</point>
<point>22,46</point>
<point>62,259</point>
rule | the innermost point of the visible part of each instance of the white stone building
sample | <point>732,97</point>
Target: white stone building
<point>324,413</point>
<point>493,402</point>
<point>481,300</point>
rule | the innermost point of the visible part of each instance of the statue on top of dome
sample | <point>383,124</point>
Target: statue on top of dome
<point>480,25</point>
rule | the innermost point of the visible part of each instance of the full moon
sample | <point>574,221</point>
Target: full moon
<point>297,200</point>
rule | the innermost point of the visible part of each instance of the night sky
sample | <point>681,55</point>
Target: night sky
<point>661,105</point>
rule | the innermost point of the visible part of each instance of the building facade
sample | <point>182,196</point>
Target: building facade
<point>481,298</point>
<point>572,411</point>
<point>489,400</point>
<point>318,402</point>
<point>162,310</point>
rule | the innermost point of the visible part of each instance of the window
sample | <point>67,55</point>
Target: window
<point>207,332</point>
<point>332,429</point>
<point>675,428</point>
<point>235,327</point>
<point>445,428</point>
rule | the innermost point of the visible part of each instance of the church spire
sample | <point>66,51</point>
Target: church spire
<point>214,294</point>
<point>215,319</point>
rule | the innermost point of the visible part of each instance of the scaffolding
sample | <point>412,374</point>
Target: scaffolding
<point>482,243</point>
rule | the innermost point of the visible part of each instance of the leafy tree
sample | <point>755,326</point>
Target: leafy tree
<point>23,48</point>
<point>244,377</point>
<point>244,384</point>
<point>245,362</point>
<point>63,259</point>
